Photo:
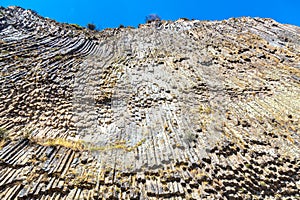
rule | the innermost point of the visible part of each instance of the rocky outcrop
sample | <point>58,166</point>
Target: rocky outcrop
<point>182,110</point>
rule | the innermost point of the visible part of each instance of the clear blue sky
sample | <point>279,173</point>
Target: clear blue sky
<point>111,13</point>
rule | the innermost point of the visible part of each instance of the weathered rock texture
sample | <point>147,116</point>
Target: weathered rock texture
<point>181,110</point>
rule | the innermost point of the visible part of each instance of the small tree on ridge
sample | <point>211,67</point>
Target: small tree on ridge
<point>91,26</point>
<point>152,17</point>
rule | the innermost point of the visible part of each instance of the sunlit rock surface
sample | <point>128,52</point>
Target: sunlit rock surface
<point>181,110</point>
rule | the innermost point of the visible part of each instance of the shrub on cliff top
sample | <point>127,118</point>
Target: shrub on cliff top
<point>91,26</point>
<point>152,17</point>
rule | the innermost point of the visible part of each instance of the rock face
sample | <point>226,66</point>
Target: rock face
<point>182,110</point>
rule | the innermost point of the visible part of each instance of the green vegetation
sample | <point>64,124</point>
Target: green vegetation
<point>76,26</point>
<point>58,57</point>
<point>248,165</point>
<point>91,26</point>
<point>262,183</point>
<point>27,133</point>
<point>3,137</point>
<point>4,51</point>
<point>152,17</point>
<point>3,133</point>
<point>205,110</point>
<point>19,58</point>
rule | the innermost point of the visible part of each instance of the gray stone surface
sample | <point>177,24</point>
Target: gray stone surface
<point>182,110</point>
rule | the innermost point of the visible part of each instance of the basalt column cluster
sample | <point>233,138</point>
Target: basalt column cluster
<point>182,109</point>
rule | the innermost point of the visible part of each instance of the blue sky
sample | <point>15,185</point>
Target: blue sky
<point>111,13</point>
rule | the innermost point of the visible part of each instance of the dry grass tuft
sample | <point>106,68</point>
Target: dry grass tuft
<point>75,145</point>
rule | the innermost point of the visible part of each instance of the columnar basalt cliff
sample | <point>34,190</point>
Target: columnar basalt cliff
<point>180,110</point>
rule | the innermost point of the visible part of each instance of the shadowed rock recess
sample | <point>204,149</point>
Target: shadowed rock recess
<point>180,110</point>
